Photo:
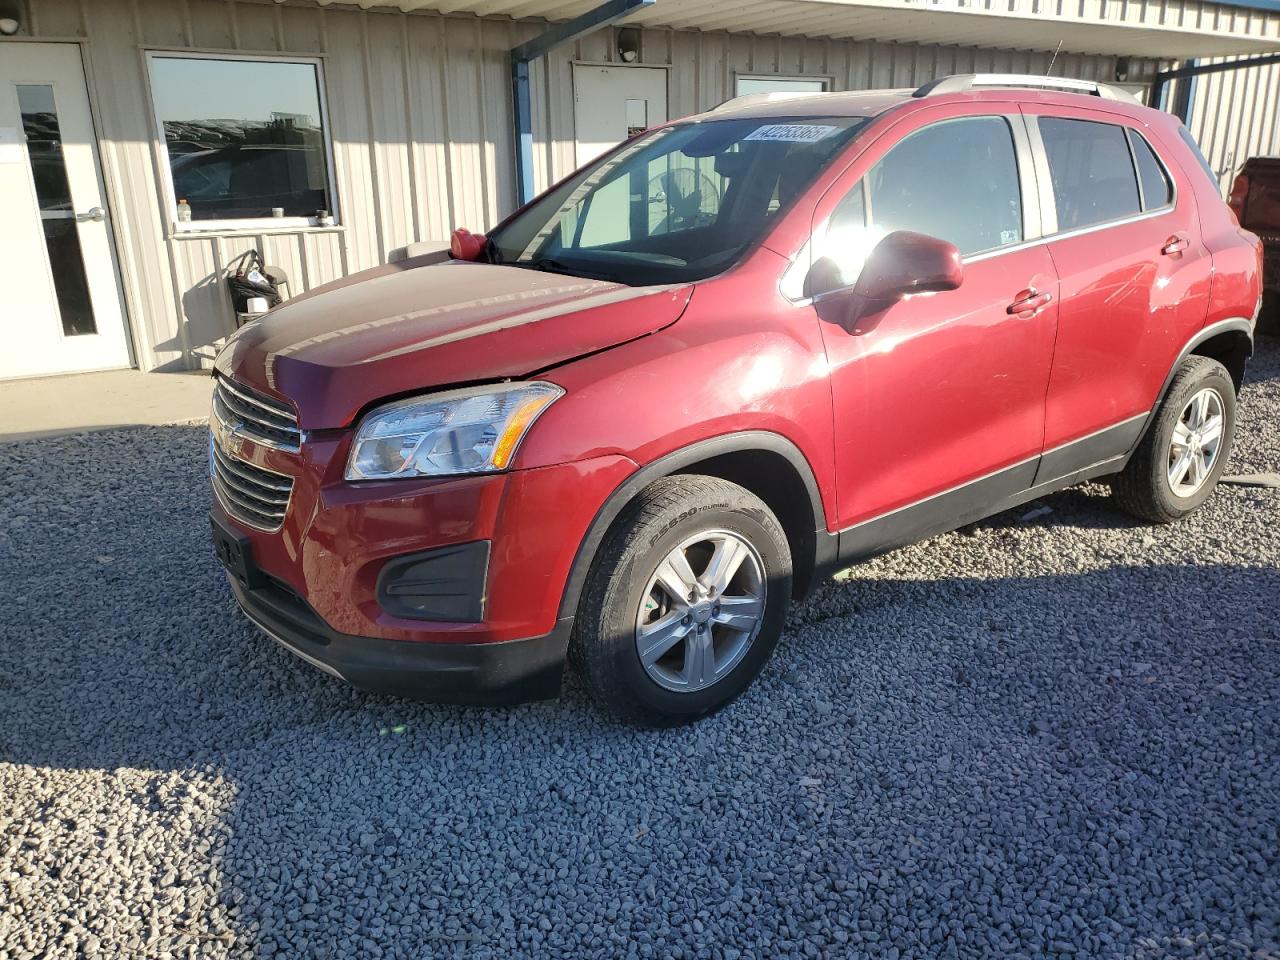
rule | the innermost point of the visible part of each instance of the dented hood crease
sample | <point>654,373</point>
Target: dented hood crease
<point>407,328</point>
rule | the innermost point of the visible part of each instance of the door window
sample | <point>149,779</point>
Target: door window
<point>956,180</point>
<point>1091,170</point>
<point>53,194</point>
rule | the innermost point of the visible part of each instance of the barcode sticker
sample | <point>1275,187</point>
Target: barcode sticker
<point>791,132</point>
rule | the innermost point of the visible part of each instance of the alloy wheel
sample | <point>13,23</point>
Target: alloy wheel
<point>701,611</point>
<point>1196,442</point>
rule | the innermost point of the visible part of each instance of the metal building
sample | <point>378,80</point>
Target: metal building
<point>146,144</point>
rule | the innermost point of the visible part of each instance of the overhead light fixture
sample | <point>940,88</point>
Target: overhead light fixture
<point>1122,69</point>
<point>9,26</point>
<point>629,44</point>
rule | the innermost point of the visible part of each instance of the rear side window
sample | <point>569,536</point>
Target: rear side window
<point>1156,190</point>
<point>1092,171</point>
<point>956,180</point>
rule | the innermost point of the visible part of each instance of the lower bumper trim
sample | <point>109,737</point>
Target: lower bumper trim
<point>483,674</point>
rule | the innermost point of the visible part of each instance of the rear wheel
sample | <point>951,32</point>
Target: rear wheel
<point>1184,452</point>
<point>685,602</point>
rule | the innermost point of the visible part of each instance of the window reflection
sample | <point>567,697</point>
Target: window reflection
<point>244,137</point>
<point>1092,171</point>
<point>956,180</point>
<point>53,194</point>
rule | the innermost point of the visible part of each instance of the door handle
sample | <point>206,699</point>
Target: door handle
<point>96,214</point>
<point>1175,245</point>
<point>1029,303</point>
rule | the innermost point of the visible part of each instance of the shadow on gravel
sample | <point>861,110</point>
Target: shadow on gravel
<point>1008,764</point>
<point>1265,364</point>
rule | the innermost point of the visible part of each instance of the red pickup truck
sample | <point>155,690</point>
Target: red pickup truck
<point>1255,198</point>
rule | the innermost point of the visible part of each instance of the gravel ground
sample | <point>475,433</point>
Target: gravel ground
<point>1043,736</point>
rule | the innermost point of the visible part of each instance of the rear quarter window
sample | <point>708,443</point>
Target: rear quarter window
<point>1157,191</point>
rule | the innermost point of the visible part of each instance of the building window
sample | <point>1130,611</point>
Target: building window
<point>774,84</point>
<point>245,139</point>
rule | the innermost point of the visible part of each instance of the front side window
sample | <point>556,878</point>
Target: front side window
<point>956,180</point>
<point>681,203</point>
<point>244,139</point>
<point>1092,171</point>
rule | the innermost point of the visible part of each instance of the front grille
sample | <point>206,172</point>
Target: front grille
<point>252,495</point>
<point>256,416</point>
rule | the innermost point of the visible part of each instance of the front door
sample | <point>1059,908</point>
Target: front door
<point>939,398</point>
<point>59,292</point>
<point>613,103</point>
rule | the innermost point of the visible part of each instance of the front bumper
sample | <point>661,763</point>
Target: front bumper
<point>340,541</point>
<point>488,674</point>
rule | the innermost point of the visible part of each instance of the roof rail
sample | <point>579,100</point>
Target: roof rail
<point>963,82</point>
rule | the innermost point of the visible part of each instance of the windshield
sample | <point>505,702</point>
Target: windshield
<point>682,203</point>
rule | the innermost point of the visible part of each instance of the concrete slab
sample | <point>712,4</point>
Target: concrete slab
<point>76,403</point>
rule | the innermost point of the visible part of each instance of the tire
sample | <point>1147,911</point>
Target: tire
<point>625,601</point>
<point>1144,488</point>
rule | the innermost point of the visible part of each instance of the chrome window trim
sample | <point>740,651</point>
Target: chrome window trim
<point>1069,234</point>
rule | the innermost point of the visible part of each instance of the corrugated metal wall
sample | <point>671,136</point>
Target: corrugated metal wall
<point>420,117</point>
<point>1236,115</point>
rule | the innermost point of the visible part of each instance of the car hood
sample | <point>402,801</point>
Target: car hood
<point>409,327</point>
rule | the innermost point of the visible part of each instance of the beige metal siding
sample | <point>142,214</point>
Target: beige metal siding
<point>419,109</point>
<point>1236,115</point>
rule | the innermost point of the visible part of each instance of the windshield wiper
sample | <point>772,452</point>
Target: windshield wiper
<point>551,265</point>
<point>546,264</point>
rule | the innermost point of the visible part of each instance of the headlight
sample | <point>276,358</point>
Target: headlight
<point>476,430</point>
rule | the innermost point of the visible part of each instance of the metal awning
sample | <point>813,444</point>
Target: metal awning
<point>1160,29</point>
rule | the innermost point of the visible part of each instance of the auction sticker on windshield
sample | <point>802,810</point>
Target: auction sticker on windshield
<point>791,132</point>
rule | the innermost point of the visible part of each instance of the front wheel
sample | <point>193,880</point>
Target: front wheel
<point>685,602</point>
<point>1185,450</point>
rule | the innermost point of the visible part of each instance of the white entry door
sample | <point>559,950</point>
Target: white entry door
<point>613,103</point>
<point>59,291</point>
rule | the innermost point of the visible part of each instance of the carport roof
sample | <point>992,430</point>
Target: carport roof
<point>1160,29</point>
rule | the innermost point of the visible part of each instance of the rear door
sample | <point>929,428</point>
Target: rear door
<point>939,399</point>
<point>1134,277</point>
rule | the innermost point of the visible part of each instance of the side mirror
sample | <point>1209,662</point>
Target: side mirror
<point>465,245</point>
<point>904,262</point>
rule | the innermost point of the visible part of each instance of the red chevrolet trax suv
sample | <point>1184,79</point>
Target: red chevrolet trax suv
<point>637,420</point>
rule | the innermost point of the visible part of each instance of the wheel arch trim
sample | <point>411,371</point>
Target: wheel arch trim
<point>747,441</point>
<point>1203,335</point>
